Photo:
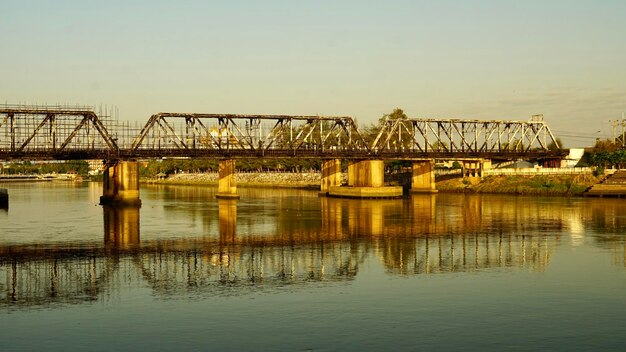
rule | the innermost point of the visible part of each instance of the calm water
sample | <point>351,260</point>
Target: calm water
<point>286,270</point>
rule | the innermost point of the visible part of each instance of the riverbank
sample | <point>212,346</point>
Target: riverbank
<point>304,180</point>
<point>39,178</point>
<point>560,185</point>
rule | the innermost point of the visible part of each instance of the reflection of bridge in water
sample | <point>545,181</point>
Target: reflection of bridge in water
<point>423,235</point>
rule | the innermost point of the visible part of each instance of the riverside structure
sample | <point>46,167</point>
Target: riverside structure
<point>61,133</point>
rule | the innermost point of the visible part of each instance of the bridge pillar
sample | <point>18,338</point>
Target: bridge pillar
<point>475,168</point>
<point>331,175</point>
<point>352,172</point>
<point>369,173</point>
<point>226,188</point>
<point>121,184</point>
<point>423,178</point>
<point>366,180</point>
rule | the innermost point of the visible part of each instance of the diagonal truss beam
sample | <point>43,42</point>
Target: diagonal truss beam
<point>255,133</point>
<point>26,130</point>
<point>462,136</point>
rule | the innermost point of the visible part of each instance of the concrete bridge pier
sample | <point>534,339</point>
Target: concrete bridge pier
<point>366,180</point>
<point>475,168</point>
<point>331,175</point>
<point>226,188</point>
<point>423,177</point>
<point>121,184</point>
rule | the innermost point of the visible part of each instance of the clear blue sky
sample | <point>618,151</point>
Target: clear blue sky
<point>463,59</point>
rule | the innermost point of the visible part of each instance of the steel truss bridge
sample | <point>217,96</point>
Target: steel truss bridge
<point>60,133</point>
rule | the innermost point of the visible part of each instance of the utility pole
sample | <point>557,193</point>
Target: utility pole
<point>623,125</point>
<point>614,124</point>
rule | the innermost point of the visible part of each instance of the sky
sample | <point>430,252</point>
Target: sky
<point>504,60</point>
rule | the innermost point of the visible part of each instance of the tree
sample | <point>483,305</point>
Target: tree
<point>397,113</point>
<point>604,145</point>
<point>556,144</point>
<point>372,131</point>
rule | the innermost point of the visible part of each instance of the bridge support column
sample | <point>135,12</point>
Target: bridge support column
<point>369,173</point>
<point>331,175</point>
<point>226,188</point>
<point>423,178</point>
<point>475,168</point>
<point>366,180</point>
<point>121,184</point>
<point>352,172</point>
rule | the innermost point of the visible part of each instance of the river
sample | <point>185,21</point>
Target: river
<point>287,270</point>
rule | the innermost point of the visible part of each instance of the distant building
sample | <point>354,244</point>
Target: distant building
<point>96,167</point>
<point>575,154</point>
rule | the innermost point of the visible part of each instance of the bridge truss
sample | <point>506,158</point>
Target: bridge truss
<point>451,137</point>
<point>180,134</point>
<point>53,133</point>
<point>65,134</point>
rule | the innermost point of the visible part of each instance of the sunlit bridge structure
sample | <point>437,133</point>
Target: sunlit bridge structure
<point>66,133</point>
<point>63,134</point>
<point>219,135</point>
<point>447,138</point>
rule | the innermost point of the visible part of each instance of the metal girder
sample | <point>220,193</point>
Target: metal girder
<point>53,132</point>
<point>462,136</point>
<point>257,134</point>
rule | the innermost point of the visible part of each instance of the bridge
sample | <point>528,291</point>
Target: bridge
<point>62,133</point>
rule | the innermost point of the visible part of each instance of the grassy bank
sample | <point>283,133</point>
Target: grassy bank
<point>566,185</point>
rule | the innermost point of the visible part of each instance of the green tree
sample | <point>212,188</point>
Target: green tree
<point>372,131</point>
<point>557,144</point>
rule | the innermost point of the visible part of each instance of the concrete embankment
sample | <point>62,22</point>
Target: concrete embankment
<point>305,180</point>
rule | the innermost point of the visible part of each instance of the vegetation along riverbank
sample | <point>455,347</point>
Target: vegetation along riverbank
<point>562,185</point>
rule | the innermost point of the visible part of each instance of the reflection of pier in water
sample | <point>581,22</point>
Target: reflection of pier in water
<point>423,235</point>
<point>465,235</point>
<point>608,223</point>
